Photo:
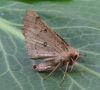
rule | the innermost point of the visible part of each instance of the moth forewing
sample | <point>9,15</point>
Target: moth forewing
<point>43,43</point>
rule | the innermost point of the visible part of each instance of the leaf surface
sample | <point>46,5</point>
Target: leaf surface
<point>76,21</point>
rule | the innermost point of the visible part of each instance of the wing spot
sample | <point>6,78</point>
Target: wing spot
<point>35,46</point>
<point>37,17</point>
<point>45,30</point>
<point>45,44</point>
<point>40,30</point>
<point>36,49</point>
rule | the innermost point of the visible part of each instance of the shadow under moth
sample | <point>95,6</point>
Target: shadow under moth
<point>43,43</point>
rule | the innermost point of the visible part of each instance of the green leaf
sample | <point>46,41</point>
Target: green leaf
<point>77,21</point>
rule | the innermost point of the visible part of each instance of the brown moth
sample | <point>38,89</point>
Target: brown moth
<point>43,43</point>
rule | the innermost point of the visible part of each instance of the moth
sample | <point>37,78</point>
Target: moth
<point>43,43</point>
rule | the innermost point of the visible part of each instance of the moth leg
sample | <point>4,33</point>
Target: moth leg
<point>73,63</point>
<point>79,70</point>
<point>64,74</point>
<point>53,71</point>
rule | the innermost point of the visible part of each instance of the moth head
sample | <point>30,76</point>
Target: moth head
<point>73,55</point>
<point>73,59</point>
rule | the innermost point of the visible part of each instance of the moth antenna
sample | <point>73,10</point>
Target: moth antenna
<point>83,54</point>
<point>52,71</point>
<point>73,63</point>
<point>64,74</point>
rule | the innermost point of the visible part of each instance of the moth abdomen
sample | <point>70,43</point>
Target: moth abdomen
<point>45,66</point>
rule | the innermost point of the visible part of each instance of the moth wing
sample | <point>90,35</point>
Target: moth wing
<point>40,41</point>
